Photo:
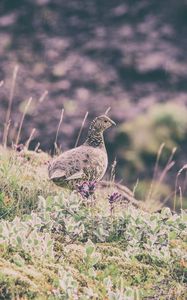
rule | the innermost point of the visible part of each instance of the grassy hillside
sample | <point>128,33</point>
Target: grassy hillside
<point>56,245</point>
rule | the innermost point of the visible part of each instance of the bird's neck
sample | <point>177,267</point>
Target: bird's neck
<point>95,139</point>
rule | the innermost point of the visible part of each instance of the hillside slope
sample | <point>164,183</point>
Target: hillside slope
<point>56,245</point>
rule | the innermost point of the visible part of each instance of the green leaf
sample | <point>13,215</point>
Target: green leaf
<point>90,250</point>
<point>36,242</point>
<point>91,272</point>
<point>95,259</point>
<point>172,235</point>
<point>19,240</point>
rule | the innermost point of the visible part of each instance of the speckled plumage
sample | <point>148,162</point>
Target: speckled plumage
<point>86,162</point>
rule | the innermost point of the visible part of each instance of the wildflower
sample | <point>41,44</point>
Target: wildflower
<point>114,197</point>
<point>86,189</point>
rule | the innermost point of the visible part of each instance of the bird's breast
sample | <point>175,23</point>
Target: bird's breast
<point>95,161</point>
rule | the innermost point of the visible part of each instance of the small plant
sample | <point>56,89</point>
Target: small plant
<point>91,258</point>
<point>67,284</point>
<point>86,189</point>
<point>26,236</point>
<point>113,198</point>
<point>120,292</point>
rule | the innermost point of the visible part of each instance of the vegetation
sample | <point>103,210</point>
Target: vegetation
<point>57,245</point>
<point>93,243</point>
<point>137,146</point>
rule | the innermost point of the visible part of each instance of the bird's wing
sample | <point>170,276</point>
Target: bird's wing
<point>57,174</point>
<point>77,175</point>
<point>55,170</point>
<point>67,166</point>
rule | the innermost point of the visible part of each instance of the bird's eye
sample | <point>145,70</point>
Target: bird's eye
<point>105,121</point>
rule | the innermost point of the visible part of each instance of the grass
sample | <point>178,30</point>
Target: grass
<point>54,245</point>
<point>23,176</point>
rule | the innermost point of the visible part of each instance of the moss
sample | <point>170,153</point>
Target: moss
<point>30,281</point>
<point>13,286</point>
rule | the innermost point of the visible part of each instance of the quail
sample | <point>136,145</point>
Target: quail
<point>87,162</point>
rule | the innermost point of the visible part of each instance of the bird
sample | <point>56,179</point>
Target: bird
<point>87,162</point>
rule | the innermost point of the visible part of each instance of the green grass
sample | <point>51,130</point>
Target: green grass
<point>55,245</point>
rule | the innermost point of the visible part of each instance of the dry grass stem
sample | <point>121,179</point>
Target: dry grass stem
<point>30,138</point>
<point>135,187</point>
<point>80,131</point>
<point>6,129</point>
<point>107,111</point>
<point>180,197</point>
<point>170,163</point>
<point>162,176</point>
<point>172,155</point>
<point>184,183</point>
<point>37,147</point>
<point>113,170</point>
<point>22,119</point>
<point>157,159</point>
<point>155,170</point>
<point>155,206</point>
<point>165,171</point>
<point>43,96</point>
<point>176,185</point>
<point>58,128</point>
<point>1,83</point>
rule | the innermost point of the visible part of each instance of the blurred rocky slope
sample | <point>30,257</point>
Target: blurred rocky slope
<point>90,55</point>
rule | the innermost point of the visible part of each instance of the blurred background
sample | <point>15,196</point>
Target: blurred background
<point>89,55</point>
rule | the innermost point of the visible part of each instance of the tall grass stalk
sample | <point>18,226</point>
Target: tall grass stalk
<point>10,100</point>
<point>167,168</point>
<point>135,187</point>
<point>176,186</point>
<point>7,132</point>
<point>43,96</point>
<point>180,197</point>
<point>22,120</point>
<point>80,131</point>
<point>30,138</point>
<point>1,83</point>
<point>169,165</point>
<point>155,171</point>
<point>153,206</point>
<point>107,111</point>
<point>58,129</point>
<point>184,186</point>
<point>113,170</point>
<point>37,147</point>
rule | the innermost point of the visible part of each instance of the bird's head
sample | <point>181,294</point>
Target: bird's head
<point>96,129</point>
<point>101,123</point>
